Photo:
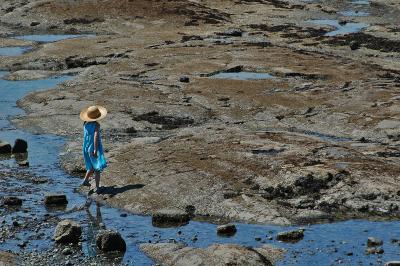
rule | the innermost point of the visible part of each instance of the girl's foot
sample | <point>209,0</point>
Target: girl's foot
<point>85,183</point>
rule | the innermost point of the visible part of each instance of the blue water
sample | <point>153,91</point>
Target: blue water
<point>340,29</point>
<point>351,13</point>
<point>242,76</point>
<point>14,51</point>
<point>50,37</point>
<point>317,248</point>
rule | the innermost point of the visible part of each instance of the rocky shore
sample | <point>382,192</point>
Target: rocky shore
<point>251,111</point>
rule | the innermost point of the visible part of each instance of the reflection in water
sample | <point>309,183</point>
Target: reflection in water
<point>95,224</point>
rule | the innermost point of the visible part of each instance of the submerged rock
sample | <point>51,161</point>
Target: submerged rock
<point>226,229</point>
<point>291,236</point>
<point>109,240</point>
<point>5,147</point>
<point>20,146</point>
<point>371,251</point>
<point>374,242</point>
<point>12,201</point>
<point>170,217</point>
<point>54,200</point>
<point>67,231</point>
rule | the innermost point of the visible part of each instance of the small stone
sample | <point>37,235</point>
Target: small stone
<point>108,240</point>
<point>349,253</point>
<point>371,251</point>
<point>226,229</point>
<point>67,251</point>
<point>55,200</point>
<point>374,242</point>
<point>291,236</point>
<point>124,215</point>
<point>257,238</point>
<point>34,23</point>
<point>67,231</point>
<point>15,223</point>
<point>23,163</point>
<point>5,147</point>
<point>20,146</point>
<point>184,79</point>
<point>12,201</point>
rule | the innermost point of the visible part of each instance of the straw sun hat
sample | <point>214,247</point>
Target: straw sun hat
<point>93,113</point>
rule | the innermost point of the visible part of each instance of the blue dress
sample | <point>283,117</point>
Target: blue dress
<point>96,163</point>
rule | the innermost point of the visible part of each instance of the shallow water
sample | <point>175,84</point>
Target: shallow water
<point>317,247</point>
<point>351,13</point>
<point>14,51</point>
<point>50,37</point>
<point>340,29</point>
<point>242,75</point>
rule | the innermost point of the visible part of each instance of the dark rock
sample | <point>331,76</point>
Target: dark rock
<point>374,242</point>
<point>67,232</point>
<point>392,263</point>
<point>354,45</point>
<point>231,33</point>
<point>5,147</point>
<point>34,23</point>
<point>226,229</point>
<point>23,163</point>
<point>82,20</point>
<point>231,194</point>
<point>67,251</point>
<point>170,217</point>
<point>123,215</point>
<point>166,121</point>
<point>55,200</point>
<point>15,223</point>
<point>190,210</point>
<point>109,240</point>
<point>12,201</point>
<point>20,146</point>
<point>371,251</point>
<point>184,79</point>
<point>291,236</point>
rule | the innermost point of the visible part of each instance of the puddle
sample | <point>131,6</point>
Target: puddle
<point>242,75</point>
<point>324,244</point>
<point>360,2</point>
<point>14,51</point>
<point>51,37</point>
<point>351,13</point>
<point>340,29</point>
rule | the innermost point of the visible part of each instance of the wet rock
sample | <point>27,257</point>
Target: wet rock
<point>20,146</point>
<point>291,236</point>
<point>54,200</point>
<point>34,23</point>
<point>67,231</point>
<point>217,254</point>
<point>374,242</point>
<point>82,20</point>
<point>12,201</point>
<point>23,163</point>
<point>184,79</point>
<point>372,251</point>
<point>5,147</point>
<point>170,217</point>
<point>392,263</point>
<point>109,240</point>
<point>354,45</point>
<point>67,251</point>
<point>226,229</point>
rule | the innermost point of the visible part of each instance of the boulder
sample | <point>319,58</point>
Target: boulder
<point>20,146</point>
<point>55,200</point>
<point>216,255</point>
<point>5,147</point>
<point>291,236</point>
<point>108,240</point>
<point>170,217</point>
<point>374,242</point>
<point>226,229</point>
<point>12,201</point>
<point>67,231</point>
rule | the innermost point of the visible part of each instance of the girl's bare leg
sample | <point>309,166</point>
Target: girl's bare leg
<point>97,179</point>
<point>87,176</point>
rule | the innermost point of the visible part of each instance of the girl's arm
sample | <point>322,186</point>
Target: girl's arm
<point>96,140</point>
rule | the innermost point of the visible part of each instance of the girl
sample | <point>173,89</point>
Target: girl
<point>93,154</point>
